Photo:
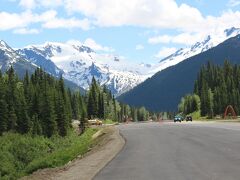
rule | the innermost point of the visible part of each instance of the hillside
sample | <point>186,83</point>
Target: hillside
<point>9,57</point>
<point>78,63</point>
<point>164,90</point>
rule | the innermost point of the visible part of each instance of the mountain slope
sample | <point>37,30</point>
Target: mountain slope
<point>164,90</point>
<point>38,57</point>
<point>9,57</point>
<point>79,63</point>
<point>184,53</point>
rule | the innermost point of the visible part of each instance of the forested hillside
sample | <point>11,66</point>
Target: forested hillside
<point>36,115</point>
<point>41,105</point>
<point>164,90</point>
<point>216,87</point>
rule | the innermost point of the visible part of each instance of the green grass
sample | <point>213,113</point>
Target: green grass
<point>196,115</point>
<point>21,155</point>
<point>109,121</point>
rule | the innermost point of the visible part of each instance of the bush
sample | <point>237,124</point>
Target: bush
<point>109,121</point>
<point>23,154</point>
<point>196,115</point>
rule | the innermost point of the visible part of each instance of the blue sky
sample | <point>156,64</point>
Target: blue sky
<point>139,30</point>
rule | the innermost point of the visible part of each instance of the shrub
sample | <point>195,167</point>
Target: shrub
<point>23,154</point>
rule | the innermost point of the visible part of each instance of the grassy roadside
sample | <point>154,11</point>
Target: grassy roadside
<point>20,155</point>
<point>109,121</point>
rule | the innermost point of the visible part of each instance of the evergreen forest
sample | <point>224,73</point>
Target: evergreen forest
<point>42,105</point>
<point>216,87</point>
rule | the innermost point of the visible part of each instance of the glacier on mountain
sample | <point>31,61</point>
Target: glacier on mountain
<point>78,63</point>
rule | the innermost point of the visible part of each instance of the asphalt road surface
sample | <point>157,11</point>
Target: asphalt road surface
<point>168,151</point>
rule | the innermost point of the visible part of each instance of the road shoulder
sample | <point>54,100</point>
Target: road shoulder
<point>109,142</point>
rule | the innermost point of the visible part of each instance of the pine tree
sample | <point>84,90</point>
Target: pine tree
<point>75,106</point>
<point>100,106</point>
<point>37,128</point>
<point>23,120</point>
<point>61,116</point>
<point>90,105</point>
<point>3,116</point>
<point>93,108</point>
<point>82,105</point>
<point>3,107</point>
<point>10,98</point>
<point>209,104</point>
<point>218,87</point>
<point>83,120</point>
<point>204,98</point>
<point>41,105</point>
<point>48,115</point>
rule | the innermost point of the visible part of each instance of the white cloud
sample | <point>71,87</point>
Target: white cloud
<point>154,14</point>
<point>139,47</point>
<point>183,38</point>
<point>233,3</point>
<point>145,13</point>
<point>28,4</point>
<point>48,19</point>
<point>158,14</point>
<point>160,39</point>
<point>12,20</point>
<point>67,23</point>
<point>31,4</point>
<point>187,38</point>
<point>97,47</point>
<point>50,3</point>
<point>26,31</point>
<point>74,42</point>
<point>165,51</point>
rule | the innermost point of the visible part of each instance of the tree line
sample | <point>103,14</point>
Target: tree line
<point>103,105</point>
<point>39,104</point>
<point>216,87</point>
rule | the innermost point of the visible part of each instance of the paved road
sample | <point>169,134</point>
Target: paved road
<point>187,151</point>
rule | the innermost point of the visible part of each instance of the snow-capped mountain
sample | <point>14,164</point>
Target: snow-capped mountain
<point>79,63</point>
<point>9,57</point>
<point>41,59</point>
<point>184,53</point>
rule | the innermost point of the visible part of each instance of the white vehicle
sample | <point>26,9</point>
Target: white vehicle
<point>95,122</point>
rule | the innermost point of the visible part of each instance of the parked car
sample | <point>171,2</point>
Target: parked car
<point>94,122</point>
<point>189,118</point>
<point>178,118</point>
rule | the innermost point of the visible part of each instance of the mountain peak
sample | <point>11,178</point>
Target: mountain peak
<point>83,48</point>
<point>5,47</point>
<point>3,44</point>
<point>94,70</point>
<point>201,46</point>
<point>231,30</point>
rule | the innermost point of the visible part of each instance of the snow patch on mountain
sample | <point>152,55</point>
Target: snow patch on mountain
<point>79,63</point>
<point>8,52</point>
<point>9,57</point>
<point>184,53</point>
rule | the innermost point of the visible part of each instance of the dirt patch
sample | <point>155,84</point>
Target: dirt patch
<point>108,143</point>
